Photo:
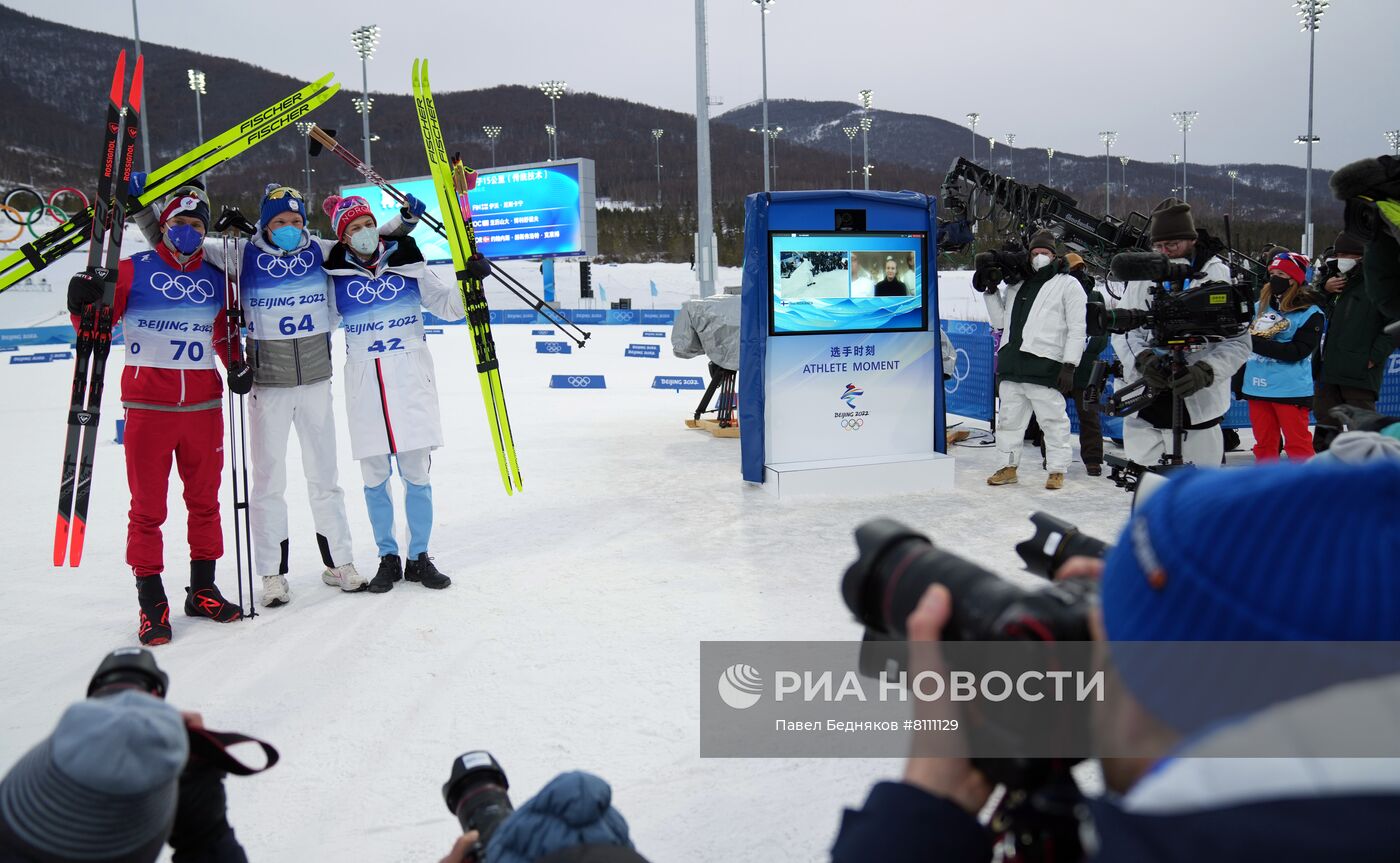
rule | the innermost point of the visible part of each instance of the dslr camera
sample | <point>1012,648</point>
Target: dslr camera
<point>475,792</point>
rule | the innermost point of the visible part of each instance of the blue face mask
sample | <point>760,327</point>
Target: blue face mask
<point>184,239</point>
<point>287,238</point>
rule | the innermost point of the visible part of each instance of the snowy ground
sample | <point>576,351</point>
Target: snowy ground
<point>570,638</point>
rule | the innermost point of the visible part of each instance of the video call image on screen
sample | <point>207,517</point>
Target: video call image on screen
<point>847,283</point>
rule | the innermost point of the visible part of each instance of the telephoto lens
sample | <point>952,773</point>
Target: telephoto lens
<point>1054,542</point>
<point>476,794</point>
<point>897,564</point>
<point>129,668</point>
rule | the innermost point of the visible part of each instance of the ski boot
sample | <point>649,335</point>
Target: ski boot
<point>202,597</point>
<point>155,611</point>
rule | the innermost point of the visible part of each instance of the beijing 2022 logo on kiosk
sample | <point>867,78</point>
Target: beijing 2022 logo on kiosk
<point>852,420</point>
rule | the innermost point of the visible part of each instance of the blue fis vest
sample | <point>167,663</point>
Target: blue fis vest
<point>382,315</point>
<point>1272,378</point>
<point>284,295</point>
<point>169,317</point>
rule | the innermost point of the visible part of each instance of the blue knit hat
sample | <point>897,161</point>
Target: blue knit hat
<point>279,199</point>
<point>574,809</point>
<point>1287,552</point>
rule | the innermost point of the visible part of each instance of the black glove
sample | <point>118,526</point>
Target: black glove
<point>1197,377</point>
<point>478,267</point>
<point>231,218</point>
<point>1066,381</point>
<point>240,379</point>
<point>1360,419</point>
<point>84,289</point>
<point>1153,368</point>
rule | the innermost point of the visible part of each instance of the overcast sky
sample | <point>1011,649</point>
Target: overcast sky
<point>1055,73</point>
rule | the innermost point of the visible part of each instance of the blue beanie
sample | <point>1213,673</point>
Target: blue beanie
<point>278,199</point>
<point>1279,553</point>
<point>573,809</point>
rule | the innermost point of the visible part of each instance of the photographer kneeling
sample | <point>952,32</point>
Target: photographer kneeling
<point>1160,585</point>
<point>1205,385</point>
<point>1035,366</point>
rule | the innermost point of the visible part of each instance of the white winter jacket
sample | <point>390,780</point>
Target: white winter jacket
<point>1055,327</point>
<point>1225,358</point>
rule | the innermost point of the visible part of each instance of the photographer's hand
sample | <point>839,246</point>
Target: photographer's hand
<point>1335,284</point>
<point>462,849</point>
<point>953,778</point>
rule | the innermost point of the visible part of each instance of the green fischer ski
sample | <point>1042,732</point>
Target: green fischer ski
<point>462,240</point>
<point>38,254</point>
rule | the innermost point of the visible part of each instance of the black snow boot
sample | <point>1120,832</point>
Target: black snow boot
<point>390,571</point>
<point>421,570</point>
<point>202,597</point>
<point>155,611</point>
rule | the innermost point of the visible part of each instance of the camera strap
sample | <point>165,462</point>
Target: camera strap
<point>212,748</point>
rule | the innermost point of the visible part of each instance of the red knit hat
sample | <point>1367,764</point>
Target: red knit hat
<point>343,211</point>
<point>1291,264</point>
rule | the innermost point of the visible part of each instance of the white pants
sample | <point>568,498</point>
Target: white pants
<point>1144,444</point>
<point>1018,402</point>
<point>272,414</point>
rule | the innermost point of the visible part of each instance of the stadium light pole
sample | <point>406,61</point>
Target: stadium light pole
<point>365,104</point>
<point>972,118</point>
<point>305,129</point>
<point>1310,17</point>
<point>145,109</point>
<point>365,39</point>
<point>1108,138</point>
<point>1175,158</point>
<point>554,90</point>
<point>1049,154</point>
<point>851,153</point>
<point>772,136</point>
<point>763,8</point>
<point>549,140</point>
<point>1184,119</point>
<point>1011,148</point>
<point>656,134</point>
<point>197,85</point>
<point>492,133</point>
<point>1393,138</point>
<point>1123,160</point>
<point>1233,175</point>
<point>866,99</point>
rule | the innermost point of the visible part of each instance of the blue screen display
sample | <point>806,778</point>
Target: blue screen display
<point>847,283</point>
<point>528,212</point>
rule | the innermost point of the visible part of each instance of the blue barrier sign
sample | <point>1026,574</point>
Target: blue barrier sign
<point>541,332</point>
<point>649,352</point>
<point>28,359</point>
<point>656,316</point>
<point>432,331</point>
<point>553,348</point>
<point>663,382</point>
<point>653,334</point>
<point>5,348</point>
<point>577,382</point>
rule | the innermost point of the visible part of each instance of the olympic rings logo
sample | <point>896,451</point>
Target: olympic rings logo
<point>385,287</point>
<point>962,328</point>
<point>579,381</point>
<point>960,372</point>
<point>180,287</point>
<point>624,315</point>
<point>852,423</point>
<point>280,267</point>
<point>551,347</point>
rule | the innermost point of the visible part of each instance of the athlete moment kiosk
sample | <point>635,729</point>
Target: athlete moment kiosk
<point>840,372</point>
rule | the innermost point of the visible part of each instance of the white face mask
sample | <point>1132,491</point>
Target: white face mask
<point>1040,262</point>
<point>365,240</point>
<point>1345,265</point>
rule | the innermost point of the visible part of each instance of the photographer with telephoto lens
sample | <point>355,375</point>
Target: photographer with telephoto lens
<point>1044,321</point>
<point>1204,385</point>
<point>1170,802</point>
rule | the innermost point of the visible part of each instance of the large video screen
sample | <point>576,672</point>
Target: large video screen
<point>526,211</point>
<point>846,283</point>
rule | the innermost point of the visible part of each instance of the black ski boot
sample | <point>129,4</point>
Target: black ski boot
<point>421,570</point>
<point>390,571</point>
<point>155,611</point>
<point>202,597</point>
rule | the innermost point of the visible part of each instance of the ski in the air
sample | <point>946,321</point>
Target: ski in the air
<point>95,323</point>
<point>38,254</point>
<point>462,241</point>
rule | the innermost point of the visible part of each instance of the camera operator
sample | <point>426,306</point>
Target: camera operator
<point>1205,385</point>
<point>1044,322</point>
<point>1371,190</point>
<point>1090,427</point>
<point>1355,349</point>
<point>1156,586</point>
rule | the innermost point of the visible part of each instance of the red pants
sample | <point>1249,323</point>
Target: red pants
<point>1268,419</point>
<point>195,440</point>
